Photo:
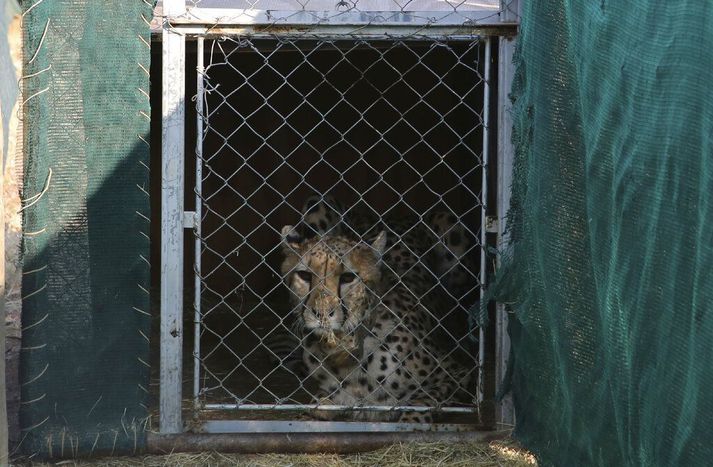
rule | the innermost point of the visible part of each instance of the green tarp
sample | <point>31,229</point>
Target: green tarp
<point>612,222</point>
<point>85,311</point>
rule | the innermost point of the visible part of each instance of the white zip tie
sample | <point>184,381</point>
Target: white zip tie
<point>37,323</point>
<point>32,75</point>
<point>33,271</point>
<point>33,6</point>
<point>34,400</point>
<point>35,292</point>
<point>42,40</point>
<point>38,232</point>
<point>34,199</point>
<point>36,426</point>
<point>35,95</point>
<point>44,370</point>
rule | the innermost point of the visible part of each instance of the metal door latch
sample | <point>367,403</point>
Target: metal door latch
<point>189,220</point>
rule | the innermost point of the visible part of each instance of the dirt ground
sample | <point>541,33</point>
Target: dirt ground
<point>497,453</point>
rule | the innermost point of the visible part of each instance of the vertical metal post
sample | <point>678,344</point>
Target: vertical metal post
<point>510,12</point>
<point>172,193</point>
<point>505,413</point>
<point>200,69</point>
<point>483,211</point>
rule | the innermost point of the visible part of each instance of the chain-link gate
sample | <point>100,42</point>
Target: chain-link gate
<point>341,221</point>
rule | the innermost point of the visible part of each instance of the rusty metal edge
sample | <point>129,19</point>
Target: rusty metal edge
<point>304,443</point>
<point>343,32</point>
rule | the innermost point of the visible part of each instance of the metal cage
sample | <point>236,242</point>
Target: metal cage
<point>383,121</point>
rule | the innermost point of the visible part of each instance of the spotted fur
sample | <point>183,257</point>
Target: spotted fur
<point>321,215</point>
<point>366,315</point>
<point>453,255</point>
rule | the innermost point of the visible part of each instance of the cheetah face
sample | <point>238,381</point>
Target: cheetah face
<point>333,281</point>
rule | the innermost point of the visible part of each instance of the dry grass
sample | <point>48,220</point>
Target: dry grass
<point>498,453</point>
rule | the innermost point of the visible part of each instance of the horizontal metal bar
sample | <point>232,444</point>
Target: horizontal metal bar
<point>341,443</point>
<point>285,426</point>
<point>445,33</point>
<point>341,45</point>
<point>238,16</point>
<point>226,5</point>
<point>449,33</point>
<point>375,408</point>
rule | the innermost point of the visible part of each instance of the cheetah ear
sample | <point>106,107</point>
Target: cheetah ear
<point>379,244</point>
<point>291,239</point>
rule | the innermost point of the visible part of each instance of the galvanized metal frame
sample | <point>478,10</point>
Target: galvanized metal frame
<point>200,70</point>
<point>299,426</point>
<point>505,411</point>
<point>484,213</point>
<point>176,27</point>
<point>364,31</point>
<point>343,442</point>
<point>296,407</point>
<point>227,21</point>
<point>172,223</point>
<point>218,17</point>
<point>227,17</point>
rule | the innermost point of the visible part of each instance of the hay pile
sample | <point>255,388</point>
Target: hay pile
<point>498,453</point>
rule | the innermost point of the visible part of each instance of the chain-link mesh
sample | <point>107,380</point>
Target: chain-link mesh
<point>342,139</point>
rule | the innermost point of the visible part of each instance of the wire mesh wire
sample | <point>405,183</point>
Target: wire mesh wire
<point>351,137</point>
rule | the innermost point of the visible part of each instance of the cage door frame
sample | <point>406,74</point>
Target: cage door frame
<point>488,73</point>
<point>175,219</point>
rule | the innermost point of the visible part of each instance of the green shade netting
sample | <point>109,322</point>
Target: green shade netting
<point>85,316</point>
<point>611,278</point>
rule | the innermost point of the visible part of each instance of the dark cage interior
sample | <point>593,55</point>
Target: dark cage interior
<point>353,137</point>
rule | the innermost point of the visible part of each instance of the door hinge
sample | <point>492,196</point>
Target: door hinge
<point>491,224</point>
<point>190,220</point>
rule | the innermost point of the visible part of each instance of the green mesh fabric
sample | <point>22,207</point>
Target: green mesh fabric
<point>612,229</point>
<point>85,310</point>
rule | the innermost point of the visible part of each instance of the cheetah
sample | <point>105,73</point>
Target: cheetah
<point>453,261</point>
<point>365,314</point>
<point>451,252</point>
<point>449,245</point>
<point>321,215</point>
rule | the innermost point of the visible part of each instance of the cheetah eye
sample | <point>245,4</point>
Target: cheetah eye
<point>304,275</point>
<point>347,277</point>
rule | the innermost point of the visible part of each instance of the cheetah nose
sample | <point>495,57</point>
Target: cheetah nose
<point>327,305</point>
